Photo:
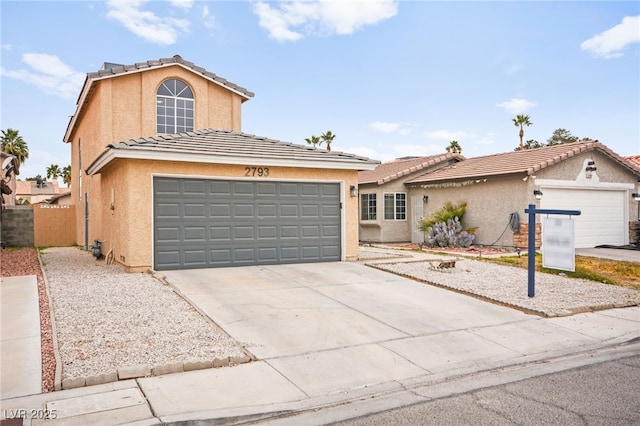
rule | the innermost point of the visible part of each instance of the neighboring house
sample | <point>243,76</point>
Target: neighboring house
<point>585,176</point>
<point>163,176</point>
<point>9,169</point>
<point>388,213</point>
<point>62,198</point>
<point>31,191</point>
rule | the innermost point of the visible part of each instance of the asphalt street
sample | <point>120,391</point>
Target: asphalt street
<point>607,393</point>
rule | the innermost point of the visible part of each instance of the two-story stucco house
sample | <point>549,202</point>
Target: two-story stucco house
<point>164,177</point>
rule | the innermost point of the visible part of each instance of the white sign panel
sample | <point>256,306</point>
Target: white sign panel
<point>558,243</point>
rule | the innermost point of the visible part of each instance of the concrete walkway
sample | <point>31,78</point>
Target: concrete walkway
<point>329,335</point>
<point>21,356</point>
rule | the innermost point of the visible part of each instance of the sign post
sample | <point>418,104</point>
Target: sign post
<point>531,249</point>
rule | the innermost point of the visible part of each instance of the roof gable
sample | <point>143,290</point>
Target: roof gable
<point>228,147</point>
<point>392,170</point>
<point>526,162</point>
<point>110,70</point>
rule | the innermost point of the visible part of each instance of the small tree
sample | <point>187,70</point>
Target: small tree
<point>314,140</point>
<point>328,137</point>
<point>66,175</point>
<point>530,144</point>
<point>13,144</point>
<point>53,171</point>
<point>561,136</point>
<point>455,147</point>
<point>520,121</point>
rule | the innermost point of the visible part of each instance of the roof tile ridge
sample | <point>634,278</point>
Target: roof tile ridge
<point>417,167</point>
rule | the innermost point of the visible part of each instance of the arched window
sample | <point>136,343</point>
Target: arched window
<point>174,107</point>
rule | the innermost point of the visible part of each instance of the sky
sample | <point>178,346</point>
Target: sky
<point>389,78</point>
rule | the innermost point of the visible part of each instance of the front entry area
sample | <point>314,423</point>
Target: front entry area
<point>206,223</point>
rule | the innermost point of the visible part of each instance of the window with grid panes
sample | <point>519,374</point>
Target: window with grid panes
<point>368,206</point>
<point>395,206</point>
<point>174,107</point>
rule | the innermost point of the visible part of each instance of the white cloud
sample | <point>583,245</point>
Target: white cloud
<point>448,135</point>
<point>50,74</point>
<point>384,127</point>
<point>364,151</point>
<point>146,24</point>
<point>413,150</point>
<point>183,4</point>
<point>209,20</point>
<point>516,106</point>
<point>293,20</point>
<point>610,43</point>
<point>401,129</point>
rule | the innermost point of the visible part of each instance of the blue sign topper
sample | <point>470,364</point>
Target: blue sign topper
<point>531,250</point>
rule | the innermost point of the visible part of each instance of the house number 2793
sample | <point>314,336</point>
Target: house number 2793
<point>256,171</point>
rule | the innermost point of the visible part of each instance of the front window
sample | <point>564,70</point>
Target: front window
<point>395,206</point>
<point>174,107</point>
<point>368,206</point>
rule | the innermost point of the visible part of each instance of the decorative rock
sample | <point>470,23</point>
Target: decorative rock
<point>134,371</point>
<point>168,369</point>
<point>197,365</point>
<point>102,378</point>
<point>220,362</point>
<point>73,382</point>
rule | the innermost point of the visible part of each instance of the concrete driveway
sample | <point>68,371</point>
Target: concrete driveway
<point>326,333</point>
<point>288,310</point>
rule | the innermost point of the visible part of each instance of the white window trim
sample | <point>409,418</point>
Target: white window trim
<point>384,200</point>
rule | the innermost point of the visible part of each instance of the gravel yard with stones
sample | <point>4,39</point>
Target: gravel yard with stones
<point>554,295</point>
<point>107,319</point>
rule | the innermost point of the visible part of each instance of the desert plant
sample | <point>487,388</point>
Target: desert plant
<point>448,234</point>
<point>443,214</point>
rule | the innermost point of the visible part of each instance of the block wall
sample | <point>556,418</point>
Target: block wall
<point>54,225</point>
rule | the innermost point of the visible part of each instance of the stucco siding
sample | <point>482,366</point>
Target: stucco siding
<point>488,207</point>
<point>128,228</point>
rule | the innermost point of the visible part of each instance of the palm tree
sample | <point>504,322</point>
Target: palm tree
<point>519,121</point>
<point>313,140</point>
<point>53,171</point>
<point>455,147</point>
<point>66,175</point>
<point>327,138</point>
<point>13,144</point>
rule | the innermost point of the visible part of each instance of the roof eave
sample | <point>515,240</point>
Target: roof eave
<point>112,154</point>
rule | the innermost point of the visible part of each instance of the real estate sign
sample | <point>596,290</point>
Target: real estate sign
<point>558,243</point>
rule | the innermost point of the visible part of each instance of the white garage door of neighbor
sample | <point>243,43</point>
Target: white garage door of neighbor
<point>602,214</point>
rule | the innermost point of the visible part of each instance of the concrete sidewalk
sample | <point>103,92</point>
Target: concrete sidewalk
<point>21,355</point>
<point>326,335</point>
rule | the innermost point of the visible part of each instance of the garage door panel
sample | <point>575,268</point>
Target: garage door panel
<point>167,187</point>
<point>602,214</point>
<point>195,210</point>
<point>210,223</point>
<point>243,210</point>
<point>168,210</point>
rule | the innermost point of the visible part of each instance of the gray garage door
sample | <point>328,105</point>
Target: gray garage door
<point>205,223</point>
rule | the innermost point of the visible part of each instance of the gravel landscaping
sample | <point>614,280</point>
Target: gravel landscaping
<point>555,295</point>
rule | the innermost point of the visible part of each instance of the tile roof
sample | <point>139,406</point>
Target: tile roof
<point>397,168</point>
<point>525,163</point>
<point>110,70</point>
<point>634,160</point>
<point>228,147</point>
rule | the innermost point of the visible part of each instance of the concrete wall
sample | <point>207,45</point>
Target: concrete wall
<point>54,225</point>
<point>126,204</point>
<point>17,226</point>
